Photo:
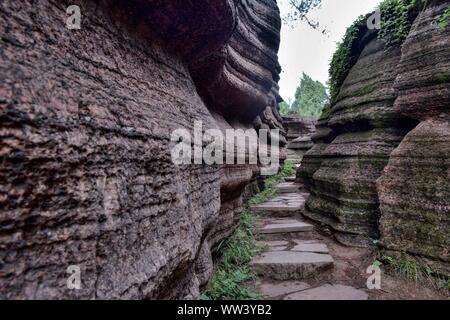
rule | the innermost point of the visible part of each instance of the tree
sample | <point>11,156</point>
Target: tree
<point>301,8</point>
<point>284,108</point>
<point>310,97</point>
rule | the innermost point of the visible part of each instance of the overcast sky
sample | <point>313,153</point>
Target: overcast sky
<point>306,50</point>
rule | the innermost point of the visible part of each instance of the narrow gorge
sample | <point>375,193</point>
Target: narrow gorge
<point>87,117</point>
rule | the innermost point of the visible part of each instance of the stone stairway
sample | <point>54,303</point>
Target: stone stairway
<point>296,263</point>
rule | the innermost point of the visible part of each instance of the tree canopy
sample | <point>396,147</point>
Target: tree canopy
<point>310,98</point>
<point>284,107</point>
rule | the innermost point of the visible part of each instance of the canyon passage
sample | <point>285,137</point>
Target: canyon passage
<point>89,189</point>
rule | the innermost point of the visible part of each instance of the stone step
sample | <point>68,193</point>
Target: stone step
<point>295,245</point>
<point>287,187</point>
<point>285,226</point>
<point>290,179</point>
<point>291,265</point>
<point>329,292</point>
<point>282,205</point>
<point>279,289</point>
<point>310,246</point>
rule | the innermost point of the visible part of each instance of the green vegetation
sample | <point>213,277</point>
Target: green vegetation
<point>269,183</point>
<point>342,59</point>
<point>232,267</point>
<point>310,98</point>
<point>396,19</point>
<point>410,269</point>
<point>284,108</point>
<point>443,20</point>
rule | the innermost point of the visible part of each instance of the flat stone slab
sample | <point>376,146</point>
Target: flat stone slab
<point>329,292</point>
<point>287,187</point>
<point>280,221</point>
<point>287,227</point>
<point>291,265</point>
<point>278,248</point>
<point>290,179</point>
<point>275,243</point>
<point>310,246</point>
<point>274,290</point>
<point>285,202</point>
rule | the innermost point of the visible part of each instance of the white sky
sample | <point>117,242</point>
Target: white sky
<point>306,50</point>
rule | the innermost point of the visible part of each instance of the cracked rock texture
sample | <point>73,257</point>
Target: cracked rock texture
<point>85,150</point>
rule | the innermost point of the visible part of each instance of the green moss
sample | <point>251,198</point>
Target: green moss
<point>364,90</point>
<point>444,19</point>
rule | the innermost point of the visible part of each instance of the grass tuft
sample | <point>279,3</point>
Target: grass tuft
<point>409,268</point>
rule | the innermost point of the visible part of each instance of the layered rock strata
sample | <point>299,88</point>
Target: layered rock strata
<point>298,135</point>
<point>365,129</point>
<point>86,121</point>
<point>379,167</point>
<point>414,189</point>
<point>312,160</point>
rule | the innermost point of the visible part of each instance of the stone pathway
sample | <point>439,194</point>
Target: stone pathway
<point>296,263</point>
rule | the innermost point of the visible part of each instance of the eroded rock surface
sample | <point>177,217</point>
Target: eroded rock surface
<point>414,189</point>
<point>313,158</point>
<point>366,129</point>
<point>298,135</point>
<point>86,117</point>
<point>379,167</point>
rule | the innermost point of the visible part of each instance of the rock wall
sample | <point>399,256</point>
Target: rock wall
<point>298,135</point>
<point>374,171</point>
<point>313,158</point>
<point>86,118</point>
<point>414,189</point>
<point>366,129</point>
